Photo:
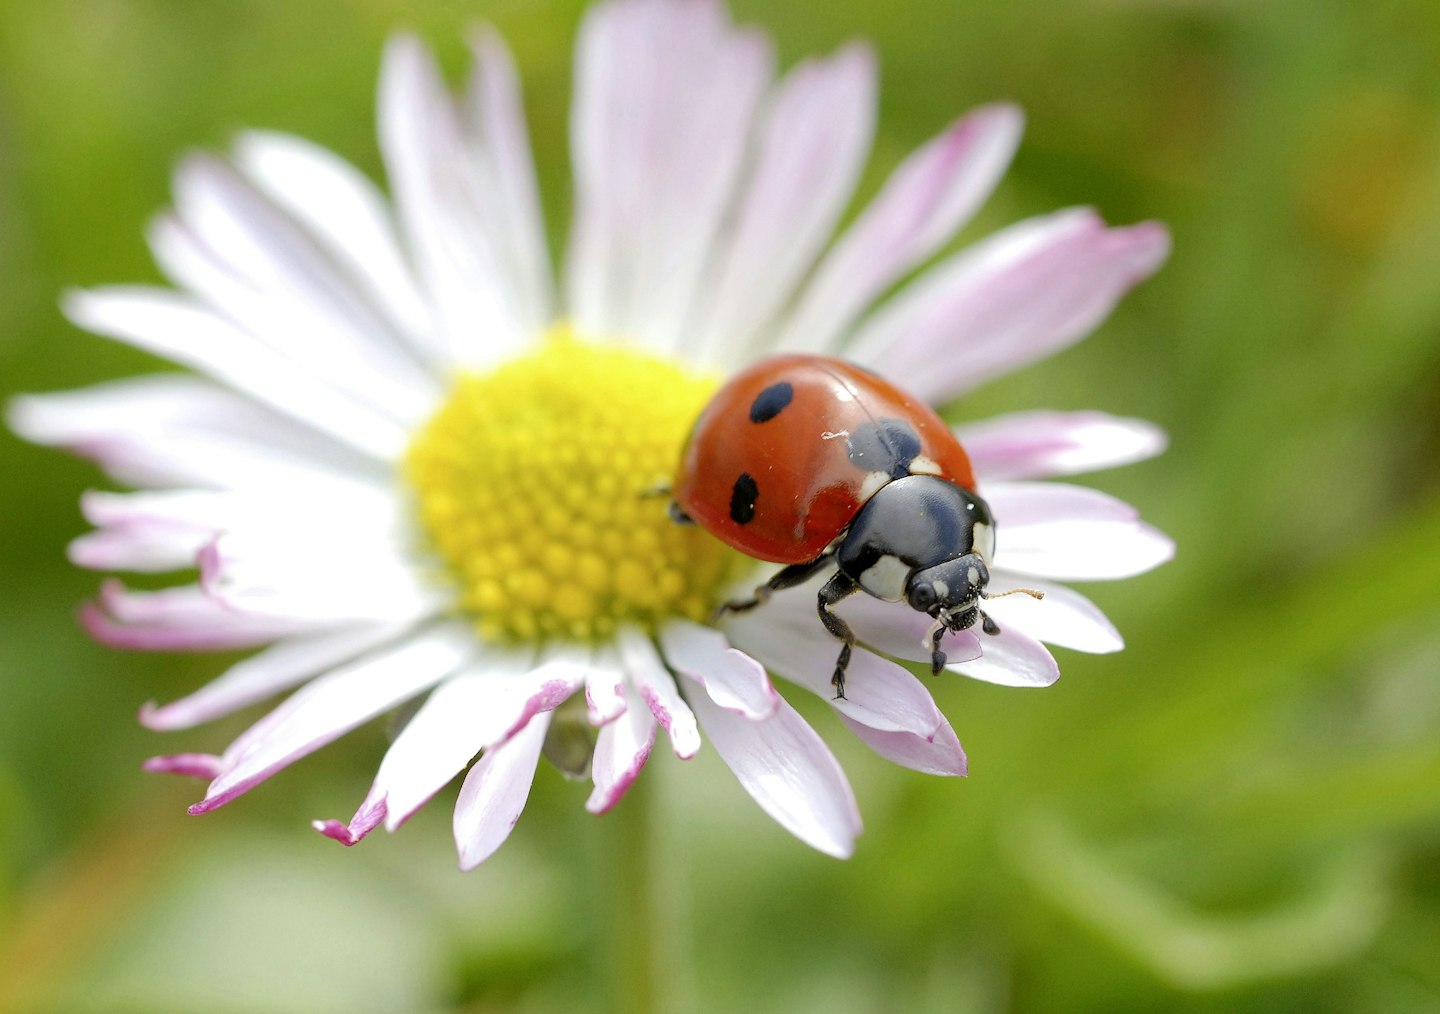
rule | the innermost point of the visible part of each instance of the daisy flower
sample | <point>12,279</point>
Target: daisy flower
<point>408,464</point>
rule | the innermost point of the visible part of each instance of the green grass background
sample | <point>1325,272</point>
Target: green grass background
<point>1240,812</point>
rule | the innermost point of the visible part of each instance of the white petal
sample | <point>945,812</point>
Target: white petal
<point>1011,659</point>
<point>333,705</point>
<point>479,321</point>
<point>1070,533</point>
<point>1038,445</point>
<point>284,664</point>
<point>1063,617</point>
<point>665,94</point>
<point>894,629</point>
<point>656,688</point>
<point>177,619</point>
<point>621,750</point>
<point>258,267</point>
<point>811,147</point>
<point>174,430</point>
<point>939,755</point>
<point>169,325</point>
<point>345,211</point>
<point>925,201</point>
<point>1017,297</point>
<point>790,772</point>
<point>1017,504</point>
<point>733,680</point>
<point>495,792</point>
<point>495,117</point>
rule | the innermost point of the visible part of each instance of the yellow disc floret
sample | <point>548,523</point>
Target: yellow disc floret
<point>536,485</point>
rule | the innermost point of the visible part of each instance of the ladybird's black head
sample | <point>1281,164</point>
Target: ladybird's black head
<point>950,591</point>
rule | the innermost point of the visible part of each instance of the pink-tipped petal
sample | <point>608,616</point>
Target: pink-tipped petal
<point>733,680</point>
<point>1039,445</point>
<point>1069,533</point>
<point>925,201</point>
<point>789,771</point>
<point>471,709</point>
<point>560,671</point>
<point>811,146</point>
<point>656,687</point>
<point>1019,296</point>
<point>370,815</point>
<point>284,664</point>
<point>1063,617</point>
<point>939,755</point>
<point>621,750</point>
<point>495,792</point>
<point>1011,659</point>
<point>191,765</point>
<point>334,704</point>
<point>175,619</point>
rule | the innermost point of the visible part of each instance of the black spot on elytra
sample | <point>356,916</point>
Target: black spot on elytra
<point>887,447</point>
<point>742,499</point>
<point>770,402</point>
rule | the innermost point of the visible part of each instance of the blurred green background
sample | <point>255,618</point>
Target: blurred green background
<point>1240,812</point>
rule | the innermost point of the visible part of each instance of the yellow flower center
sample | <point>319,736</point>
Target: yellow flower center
<point>537,486</point>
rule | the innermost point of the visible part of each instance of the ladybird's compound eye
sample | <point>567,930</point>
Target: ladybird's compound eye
<point>952,588</point>
<point>921,596</point>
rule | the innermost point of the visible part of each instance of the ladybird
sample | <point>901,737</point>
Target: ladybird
<point>813,462</point>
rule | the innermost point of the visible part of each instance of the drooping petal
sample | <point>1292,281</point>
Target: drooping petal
<point>173,430</point>
<point>878,692</point>
<point>332,705</point>
<point>656,687</point>
<point>939,755</point>
<point>1016,297</point>
<point>621,750</point>
<point>605,687</point>
<point>470,710</point>
<point>1063,617</point>
<point>733,680</point>
<point>789,771</point>
<point>170,325</point>
<point>927,199</point>
<point>284,664</point>
<point>495,793</point>
<point>1011,659</point>
<point>1039,445</point>
<point>664,100</point>
<point>811,147</point>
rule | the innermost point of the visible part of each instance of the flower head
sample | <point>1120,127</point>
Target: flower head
<point>405,465</point>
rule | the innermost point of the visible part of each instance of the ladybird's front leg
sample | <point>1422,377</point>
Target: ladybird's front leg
<point>840,586</point>
<point>788,577</point>
<point>937,657</point>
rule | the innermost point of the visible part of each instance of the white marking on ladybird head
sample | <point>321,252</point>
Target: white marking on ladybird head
<point>886,578</point>
<point>972,574</point>
<point>941,589</point>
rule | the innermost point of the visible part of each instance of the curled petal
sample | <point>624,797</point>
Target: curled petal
<point>733,679</point>
<point>1038,445</point>
<point>495,793</point>
<point>789,771</point>
<point>656,688</point>
<point>605,687</point>
<point>621,750</point>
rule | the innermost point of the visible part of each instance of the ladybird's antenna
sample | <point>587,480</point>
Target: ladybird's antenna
<point>1013,591</point>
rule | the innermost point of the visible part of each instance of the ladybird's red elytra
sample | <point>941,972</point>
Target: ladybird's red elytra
<point>814,462</point>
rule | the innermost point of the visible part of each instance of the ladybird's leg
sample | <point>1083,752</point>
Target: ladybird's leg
<point>840,586</point>
<point>789,577</point>
<point>988,625</point>
<point>679,516</point>
<point>937,657</point>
